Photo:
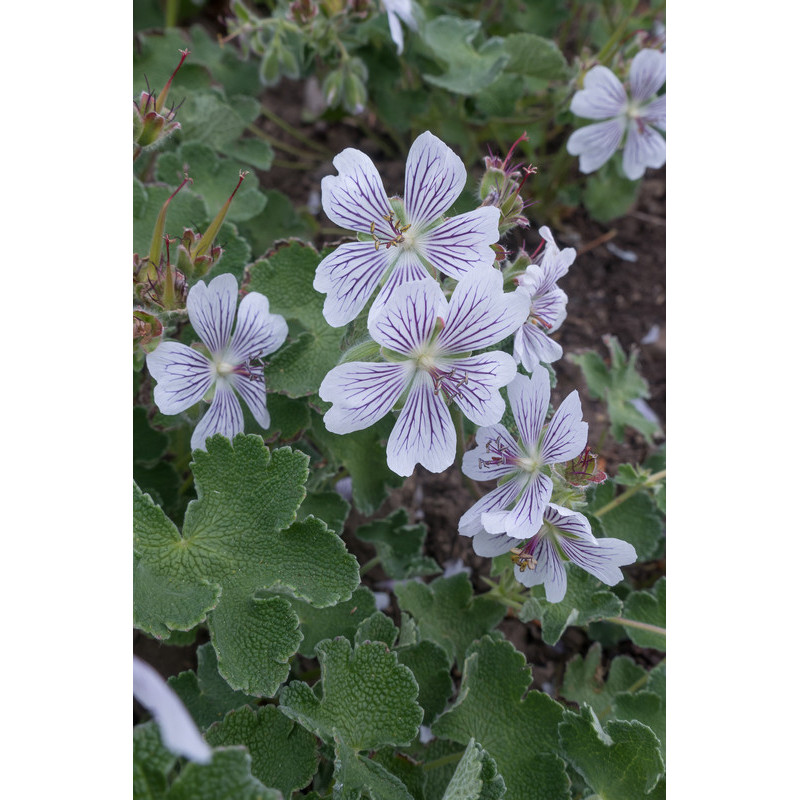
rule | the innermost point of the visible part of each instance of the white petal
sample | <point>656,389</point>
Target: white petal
<point>496,500</point>
<point>362,393</point>
<point>176,726</point>
<point>435,176</point>
<point>408,317</point>
<point>349,276</point>
<point>212,309</point>
<point>258,333</point>
<point>529,399</point>
<point>254,393</point>
<point>644,148</point>
<point>183,376</point>
<point>462,243</point>
<point>566,435</point>
<point>490,545</point>
<point>601,558</point>
<point>480,314</point>
<point>595,144</point>
<point>491,442</point>
<point>525,519</point>
<point>474,384</point>
<point>570,522</point>
<point>549,570</point>
<point>224,416</point>
<point>407,268</point>
<point>355,198</point>
<point>648,73</point>
<point>655,113</point>
<point>395,31</point>
<point>424,433</point>
<point>602,96</point>
<point>532,346</point>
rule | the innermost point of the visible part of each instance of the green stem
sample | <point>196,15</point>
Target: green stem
<point>171,13</point>
<point>632,623</point>
<point>279,145</point>
<point>292,131</point>
<point>628,493</point>
<point>609,48</point>
<point>443,761</point>
<point>373,562</point>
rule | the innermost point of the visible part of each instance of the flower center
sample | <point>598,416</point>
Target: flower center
<point>251,369</point>
<point>499,453</point>
<point>398,230</point>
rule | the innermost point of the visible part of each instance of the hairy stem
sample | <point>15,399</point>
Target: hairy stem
<point>632,623</point>
<point>628,493</point>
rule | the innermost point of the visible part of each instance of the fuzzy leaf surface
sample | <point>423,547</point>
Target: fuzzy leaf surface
<point>583,603</point>
<point>152,763</point>
<point>227,776</point>
<point>619,761</point>
<point>490,708</point>
<point>399,546</point>
<point>206,694</point>
<point>536,56</point>
<point>448,613</point>
<point>476,777</point>
<point>284,754</point>
<point>650,607</point>
<point>239,538</point>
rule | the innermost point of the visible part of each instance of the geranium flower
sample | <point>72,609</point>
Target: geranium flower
<point>565,535</point>
<point>523,466</point>
<point>184,375</point>
<point>401,9</point>
<point>430,364</point>
<point>178,730</point>
<point>604,97</point>
<point>548,305</point>
<point>409,239</point>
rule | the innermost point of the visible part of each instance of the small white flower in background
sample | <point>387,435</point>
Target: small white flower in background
<point>548,305</point>
<point>402,9</point>
<point>604,97</point>
<point>409,238</point>
<point>184,375</point>
<point>179,733</point>
<point>430,364</point>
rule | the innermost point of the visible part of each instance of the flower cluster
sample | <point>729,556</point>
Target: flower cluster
<point>639,114</point>
<point>519,515</point>
<point>186,375</point>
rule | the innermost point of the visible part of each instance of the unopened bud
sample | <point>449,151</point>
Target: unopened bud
<point>152,124</point>
<point>584,469</point>
<point>302,11</point>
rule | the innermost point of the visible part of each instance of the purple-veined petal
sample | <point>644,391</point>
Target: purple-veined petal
<point>407,268</point>
<point>258,333</point>
<point>573,523</point>
<point>566,435</point>
<point>480,314</point>
<point>655,113</point>
<point>490,545</point>
<point>496,500</point>
<point>224,416</point>
<point>212,310</point>
<point>493,443</point>
<point>408,317</point>
<point>648,73</point>
<point>595,144</point>
<point>349,276</point>
<point>473,384</point>
<point>532,346</point>
<point>176,726</point>
<point>643,148</point>
<point>529,399</point>
<point>602,96</point>
<point>435,176</point>
<point>549,570</point>
<point>462,243</point>
<point>183,376</point>
<point>424,433</point>
<point>525,519</point>
<point>551,307</point>
<point>355,198</point>
<point>362,392</point>
<point>601,558</point>
<point>556,263</point>
<point>254,393</point>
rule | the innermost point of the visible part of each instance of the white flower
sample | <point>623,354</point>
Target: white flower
<point>548,305</point>
<point>431,366</point>
<point>410,240</point>
<point>184,375</point>
<point>402,9</point>
<point>178,731</point>
<point>604,97</point>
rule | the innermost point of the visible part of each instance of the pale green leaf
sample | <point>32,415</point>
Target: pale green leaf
<point>475,777</point>
<point>534,55</point>
<point>649,607</point>
<point>330,507</point>
<point>356,776</point>
<point>152,763</point>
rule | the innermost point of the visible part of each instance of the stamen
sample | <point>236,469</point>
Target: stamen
<point>522,559</point>
<point>448,383</point>
<point>397,229</point>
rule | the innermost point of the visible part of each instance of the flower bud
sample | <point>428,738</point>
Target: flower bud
<point>302,11</point>
<point>151,124</point>
<point>584,469</point>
